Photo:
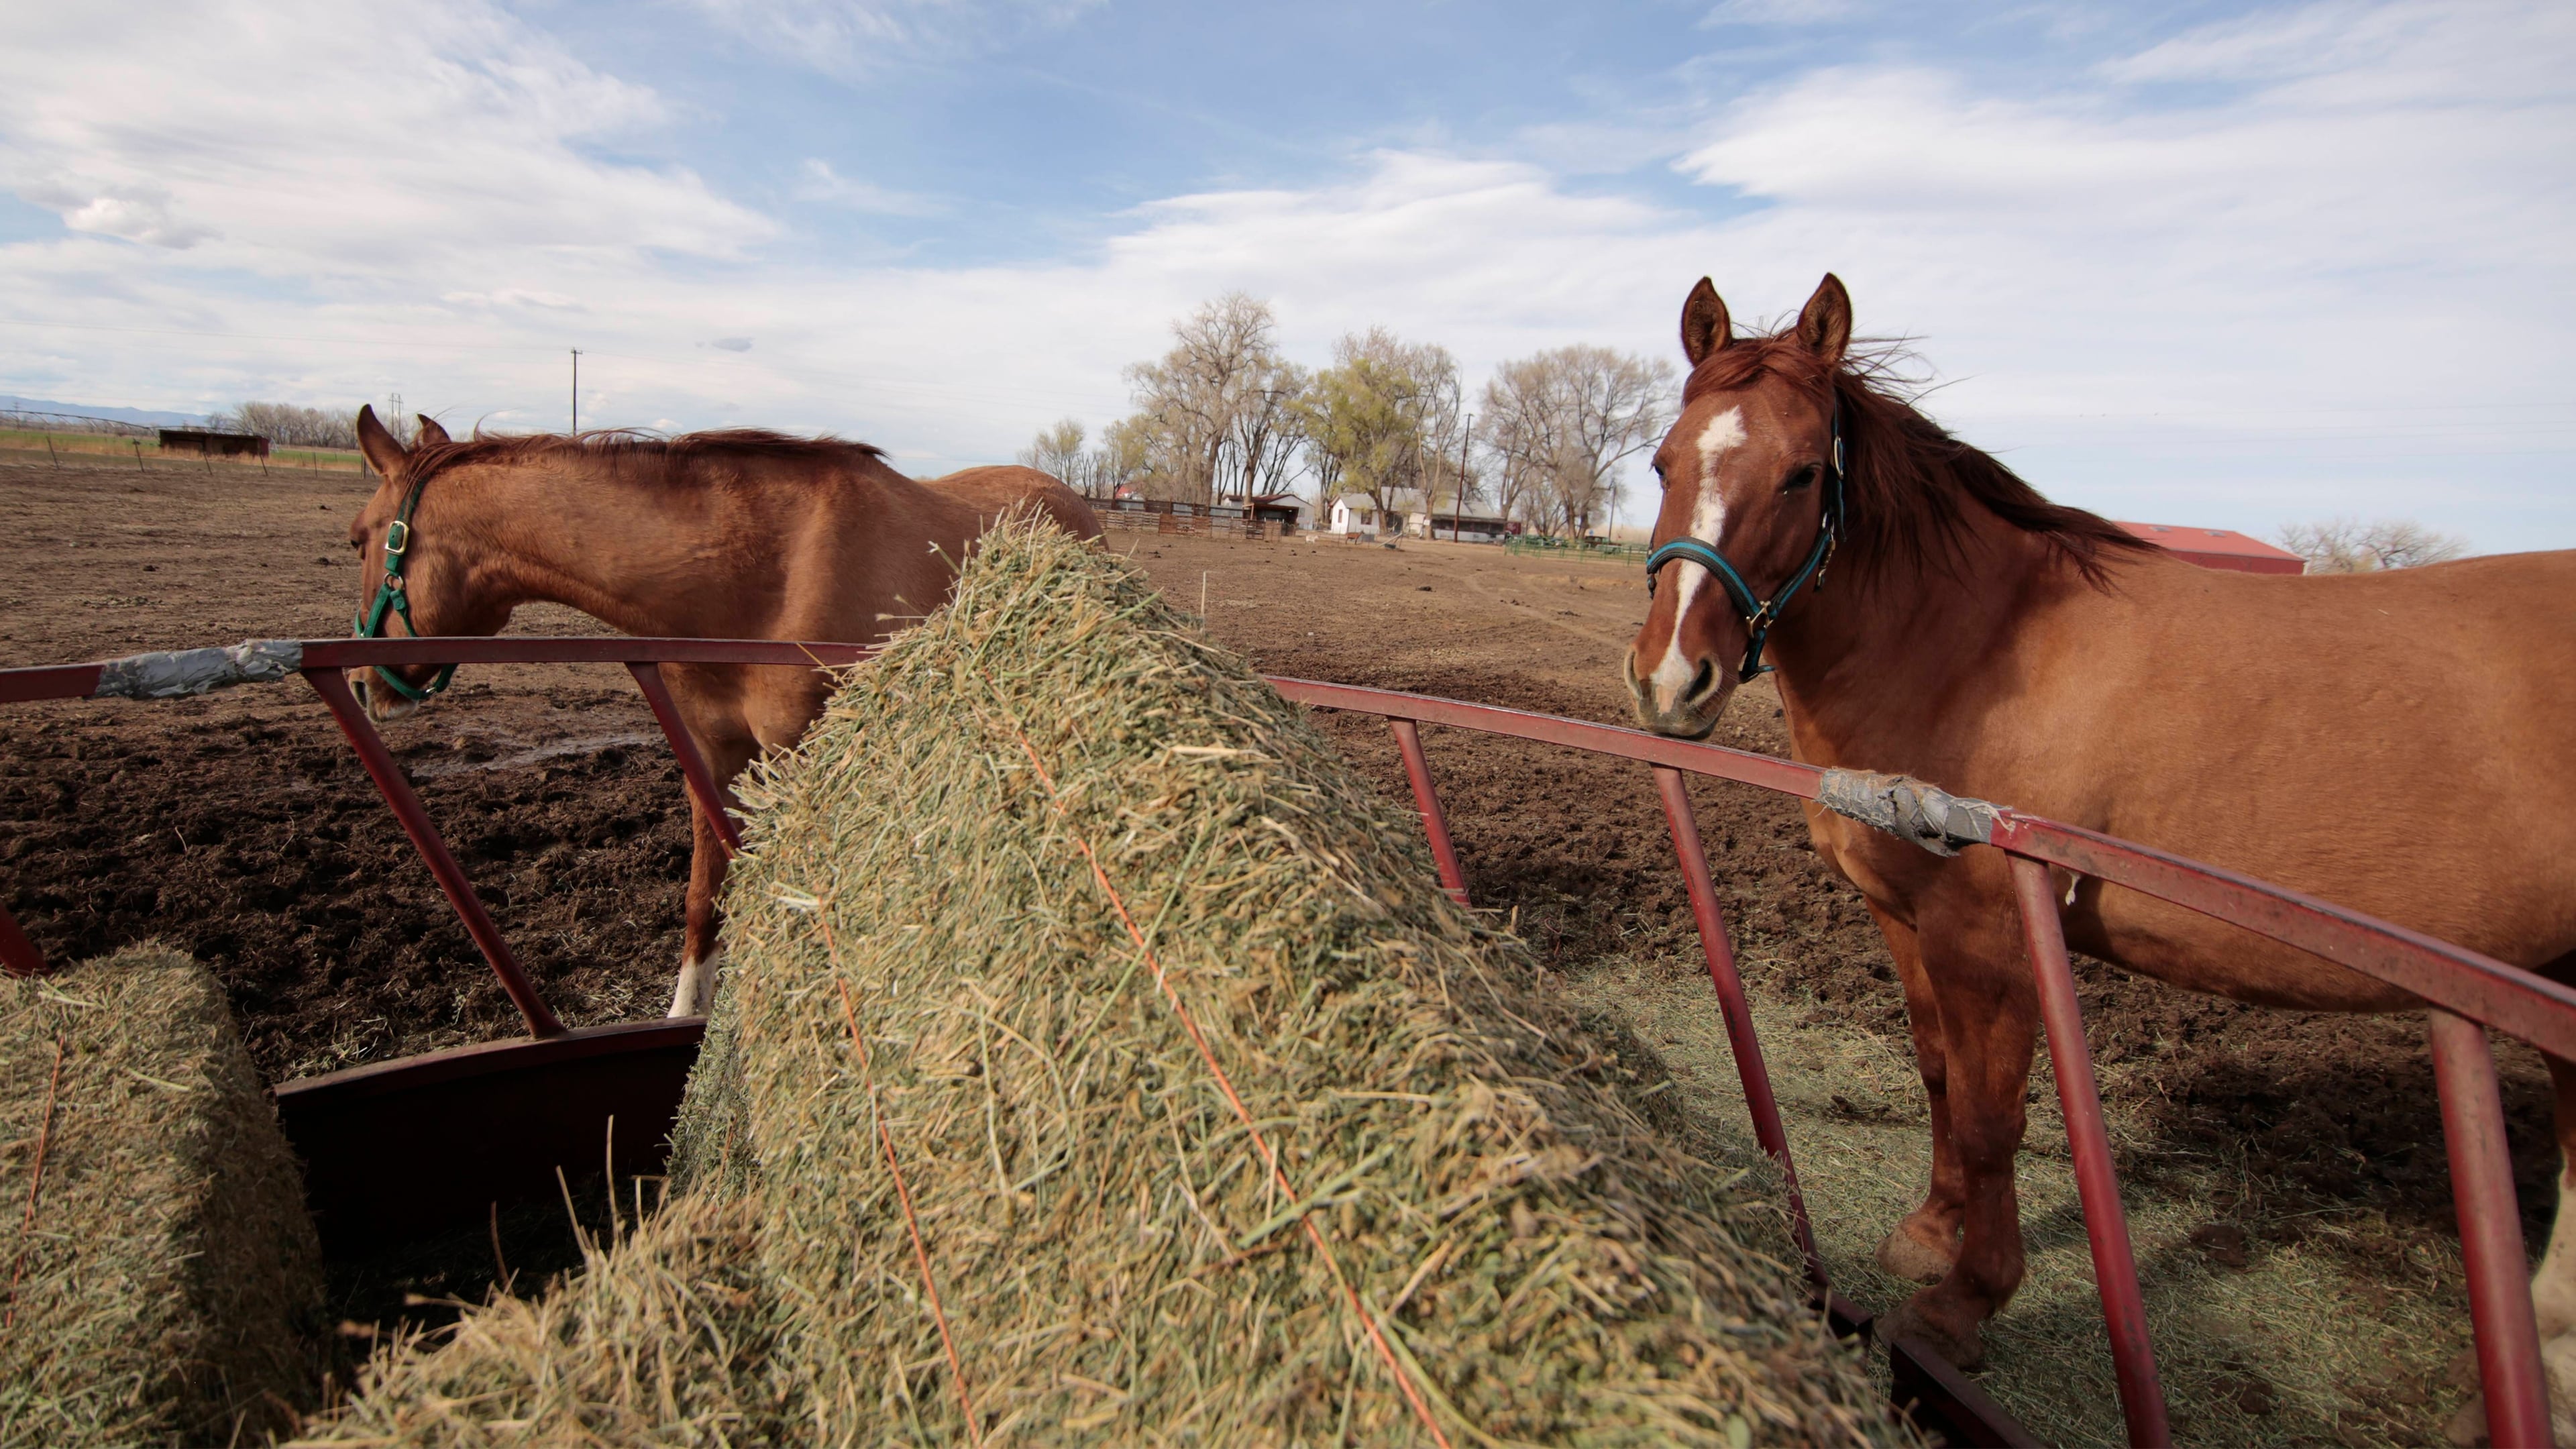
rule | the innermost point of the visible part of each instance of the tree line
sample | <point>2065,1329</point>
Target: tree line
<point>1226,417</point>
<point>291,426</point>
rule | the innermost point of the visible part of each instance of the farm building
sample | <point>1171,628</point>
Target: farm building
<point>1461,527</point>
<point>210,444</point>
<point>1286,510</point>
<point>1355,516</point>
<point>2220,548</point>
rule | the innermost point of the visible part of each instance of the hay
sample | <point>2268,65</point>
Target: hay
<point>659,1341</point>
<point>168,1288</point>
<point>924,967</point>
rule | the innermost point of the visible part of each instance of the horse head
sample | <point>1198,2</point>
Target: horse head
<point>1752,504</point>
<point>415,577</point>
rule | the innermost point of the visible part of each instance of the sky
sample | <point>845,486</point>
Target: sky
<point>2215,264</point>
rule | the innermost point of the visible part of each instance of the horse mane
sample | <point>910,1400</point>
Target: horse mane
<point>1905,478</point>
<point>634,448</point>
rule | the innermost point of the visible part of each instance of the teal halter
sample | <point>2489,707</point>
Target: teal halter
<point>392,597</point>
<point>1760,614</point>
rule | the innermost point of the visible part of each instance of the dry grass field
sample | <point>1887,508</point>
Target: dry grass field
<point>2285,1171</point>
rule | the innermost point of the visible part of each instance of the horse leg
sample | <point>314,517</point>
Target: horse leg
<point>1988,1023</point>
<point>695,991</point>
<point>1923,1246</point>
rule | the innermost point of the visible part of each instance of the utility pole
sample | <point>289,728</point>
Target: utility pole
<point>576,390</point>
<point>1458,495</point>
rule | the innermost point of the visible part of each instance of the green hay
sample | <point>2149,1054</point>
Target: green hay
<point>169,1286</point>
<point>1115,1262</point>
<point>659,1341</point>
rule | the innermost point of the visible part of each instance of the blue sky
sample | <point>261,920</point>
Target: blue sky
<point>2219,264</point>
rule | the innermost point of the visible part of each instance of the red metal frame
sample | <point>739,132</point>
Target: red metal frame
<point>395,786</point>
<point>1719,947</point>
<point>2464,991</point>
<point>1435,821</point>
<point>2097,1179</point>
<point>703,790</point>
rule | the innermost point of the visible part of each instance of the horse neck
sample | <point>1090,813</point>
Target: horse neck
<point>639,554</point>
<point>1865,662</point>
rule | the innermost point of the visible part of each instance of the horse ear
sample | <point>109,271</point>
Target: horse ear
<point>430,432</point>
<point>383,451</point>
<point>1825,325</point>
<point>1704,323</point>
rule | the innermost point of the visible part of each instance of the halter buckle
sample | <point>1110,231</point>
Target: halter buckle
<point>397,538</point>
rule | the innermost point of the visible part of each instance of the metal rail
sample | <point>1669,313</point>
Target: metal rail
<point>2464,991</point>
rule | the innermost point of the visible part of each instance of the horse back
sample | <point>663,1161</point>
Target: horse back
<point>2394,742</point>
<point>1007,489</point>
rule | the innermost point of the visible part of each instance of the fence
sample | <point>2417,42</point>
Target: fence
<point>2464,992</point>
<point>1599,548</point>
<point>72,423</point>
<point>1164,515</point>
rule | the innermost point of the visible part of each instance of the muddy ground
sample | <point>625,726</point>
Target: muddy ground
<point>2298,1157</point>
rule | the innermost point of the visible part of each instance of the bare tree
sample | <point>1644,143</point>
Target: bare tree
<point>296,427</point>
<point>2348,546</point>
<point>1557,426</point>
<point>1211,414</point>
<point>1383,419</point>
<point>1058,450</point>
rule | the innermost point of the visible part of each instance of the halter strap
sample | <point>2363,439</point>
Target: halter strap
<point>1757,613</point>
<point>393,597</point>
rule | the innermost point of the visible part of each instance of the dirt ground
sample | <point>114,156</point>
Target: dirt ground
<point>2286,1170</point>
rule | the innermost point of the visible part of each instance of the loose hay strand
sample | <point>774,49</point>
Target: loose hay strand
<point>903,1190</point>
<point>1269,1156</point>
<point>35,1184</point>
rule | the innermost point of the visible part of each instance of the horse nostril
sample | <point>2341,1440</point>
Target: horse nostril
<point>1701,683</point>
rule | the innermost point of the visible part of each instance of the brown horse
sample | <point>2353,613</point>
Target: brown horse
<point>724,535</point>
<point>2394,742</point>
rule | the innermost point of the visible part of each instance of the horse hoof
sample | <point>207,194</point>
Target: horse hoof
<point>1906,1256</point>
<point>1907,1320</point>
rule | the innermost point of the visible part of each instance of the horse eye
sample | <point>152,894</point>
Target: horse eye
<point>1800,479</point>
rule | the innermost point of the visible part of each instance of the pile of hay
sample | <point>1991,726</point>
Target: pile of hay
<point>925,963</point>
<point>167,1283</point>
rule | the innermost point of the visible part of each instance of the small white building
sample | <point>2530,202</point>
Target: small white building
<point>1354,516</point>
<point>1459,527</point>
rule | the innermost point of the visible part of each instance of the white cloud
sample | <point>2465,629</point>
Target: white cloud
<point>2324,280</point>
<point>2315,281</point>
<point>816,181</point>
<point>854,37</point>
<point>1781,12</point>
<point>311,140</point>
<point>516,297</point>
<point>135,212</point>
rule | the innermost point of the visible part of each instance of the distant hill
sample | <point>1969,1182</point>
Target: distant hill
<point>10,402</point>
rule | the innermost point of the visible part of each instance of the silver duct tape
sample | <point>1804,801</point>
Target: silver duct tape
<point>177,673</point>
<point>1903,806</point>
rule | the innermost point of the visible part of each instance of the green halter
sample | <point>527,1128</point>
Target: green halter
<point>391,596</point>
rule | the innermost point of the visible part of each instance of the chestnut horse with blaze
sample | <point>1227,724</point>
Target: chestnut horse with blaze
<point>2394,742</point>
<point>739,534</point>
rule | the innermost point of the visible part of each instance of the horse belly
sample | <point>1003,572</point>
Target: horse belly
<point>2187,949</point>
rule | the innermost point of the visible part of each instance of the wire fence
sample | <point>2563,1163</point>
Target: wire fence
<point>75,423</point>
<point>1593,548</point>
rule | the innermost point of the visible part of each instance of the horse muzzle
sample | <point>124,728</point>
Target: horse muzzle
<point>382,705</point>
<point>1686,708</point>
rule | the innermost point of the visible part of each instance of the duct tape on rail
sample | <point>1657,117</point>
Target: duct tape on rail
<point>1903,806</point>
<point>177,673</point>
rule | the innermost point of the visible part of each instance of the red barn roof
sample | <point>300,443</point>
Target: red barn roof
<point>2220,548</point>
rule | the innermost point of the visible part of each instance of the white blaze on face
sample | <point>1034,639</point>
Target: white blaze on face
<point>1723,433</point>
